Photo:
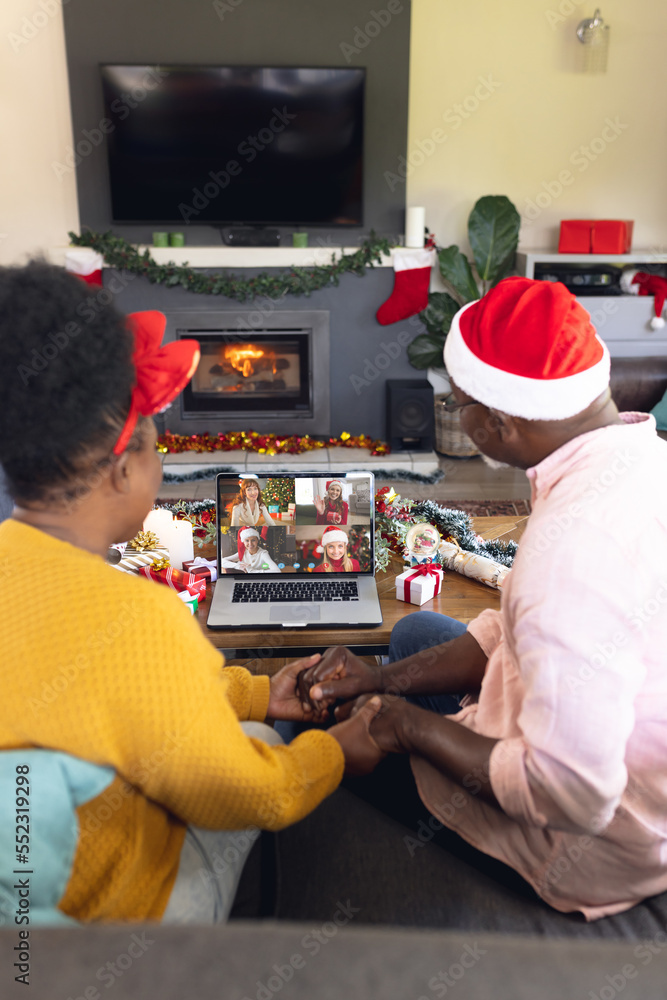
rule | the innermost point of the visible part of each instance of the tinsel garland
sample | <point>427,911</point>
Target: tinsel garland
<point>265,444</point>
<point>393,517</point>
<point>122,255</point>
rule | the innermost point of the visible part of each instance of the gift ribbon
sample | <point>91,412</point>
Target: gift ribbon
<point>424,569</point>
<point>207,563</point>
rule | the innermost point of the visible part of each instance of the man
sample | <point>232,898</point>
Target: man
<point>555,763</point>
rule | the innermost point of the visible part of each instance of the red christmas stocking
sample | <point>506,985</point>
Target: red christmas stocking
<point>412,276</point>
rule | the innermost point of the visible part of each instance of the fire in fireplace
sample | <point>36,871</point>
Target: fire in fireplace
<point>271,377</point>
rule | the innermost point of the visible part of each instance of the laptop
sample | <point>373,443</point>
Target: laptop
<point>295,551</point>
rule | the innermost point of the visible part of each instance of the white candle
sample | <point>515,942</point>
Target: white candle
<point>181,546</point>
<point>415,220</point>
<point>159,522</point>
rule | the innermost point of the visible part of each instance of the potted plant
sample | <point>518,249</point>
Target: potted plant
<point>493,232</point>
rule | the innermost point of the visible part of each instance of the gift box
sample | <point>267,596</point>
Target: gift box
<point>133,561</point>
<point>595,236</point>
<point>420,584</point>
<point>206,568</point>
<point>190,600</point>
<point>177,580</point>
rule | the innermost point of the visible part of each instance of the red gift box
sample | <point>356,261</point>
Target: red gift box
<point>177,580</point>
<point>208,572</point>
<point>595,236</point>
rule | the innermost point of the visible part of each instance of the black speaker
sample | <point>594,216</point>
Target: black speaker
<point>410,414</point>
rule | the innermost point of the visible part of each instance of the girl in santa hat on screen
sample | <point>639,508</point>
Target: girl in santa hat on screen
<point>250,558</point>
<point>336,559</point>
<point>331,508</point>
<point>248,507</point>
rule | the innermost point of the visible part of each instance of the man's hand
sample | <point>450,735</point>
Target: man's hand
<point>339,674</point>
<point>388,725</point>
<point>362,754</point>
<point>285,702</point>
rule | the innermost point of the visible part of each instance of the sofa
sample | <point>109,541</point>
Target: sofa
<point>260,961</point>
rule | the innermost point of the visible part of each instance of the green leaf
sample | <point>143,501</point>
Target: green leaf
<point>493,231</point>
<point>437,317</point>
<point>456,271</point>
<point>425,351</point>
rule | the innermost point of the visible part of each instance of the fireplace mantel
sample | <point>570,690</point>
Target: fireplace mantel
<point>235,257</point>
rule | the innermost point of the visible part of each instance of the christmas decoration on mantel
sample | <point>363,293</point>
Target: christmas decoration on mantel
<point>122,255</point>
<point>264,444</point>
<point>394,516</point>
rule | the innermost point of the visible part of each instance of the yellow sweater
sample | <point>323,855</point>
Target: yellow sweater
<point>115,670</point>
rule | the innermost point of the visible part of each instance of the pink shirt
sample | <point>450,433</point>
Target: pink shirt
<point>575,687</point>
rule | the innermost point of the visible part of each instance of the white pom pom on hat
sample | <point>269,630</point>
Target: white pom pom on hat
<point>528,348</point>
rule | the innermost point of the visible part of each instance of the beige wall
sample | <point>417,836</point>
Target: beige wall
<point>529,122</point>
<point>511,67</point>
<point>36,207</point>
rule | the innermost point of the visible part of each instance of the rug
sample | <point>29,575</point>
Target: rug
<point>490,508</point>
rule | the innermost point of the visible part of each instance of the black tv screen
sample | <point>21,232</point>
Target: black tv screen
<point>223,145</point>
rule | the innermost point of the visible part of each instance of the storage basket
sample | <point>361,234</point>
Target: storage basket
<point>449,438</point>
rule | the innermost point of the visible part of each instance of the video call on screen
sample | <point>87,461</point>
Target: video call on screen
<point>305,525</point>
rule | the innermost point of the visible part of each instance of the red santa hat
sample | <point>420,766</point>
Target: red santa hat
<point>640,283</point>
<point>333,535</point>
<point>528,348</point>
<point>250,475</point>
<point>243,536</point>
<point>334,482</point>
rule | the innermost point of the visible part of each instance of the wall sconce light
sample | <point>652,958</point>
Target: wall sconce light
<point>593,34</point>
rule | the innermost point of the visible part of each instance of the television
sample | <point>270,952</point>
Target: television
<point>235,145</point>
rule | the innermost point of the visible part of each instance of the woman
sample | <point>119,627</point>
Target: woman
<point>110,670</point>
<point>336,559</point>
<point>331,508</point>
<point>248,507</point>
<point>253,559</point>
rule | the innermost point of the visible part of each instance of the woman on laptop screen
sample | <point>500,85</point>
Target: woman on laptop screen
<point>251,558</point>
<point>248,507</point>
<point>336,558</point>
<point>331,509</point>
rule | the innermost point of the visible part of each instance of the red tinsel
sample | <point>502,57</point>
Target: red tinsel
<point>265,444</point>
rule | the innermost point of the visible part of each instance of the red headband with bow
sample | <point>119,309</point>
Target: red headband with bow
<point>161,371</point>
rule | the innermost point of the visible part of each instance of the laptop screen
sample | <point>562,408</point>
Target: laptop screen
<point>293,523</point>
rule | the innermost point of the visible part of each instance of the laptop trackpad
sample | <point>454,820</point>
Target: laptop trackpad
<point>295,613</point>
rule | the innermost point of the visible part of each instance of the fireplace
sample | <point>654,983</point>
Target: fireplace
<point>264,370</point>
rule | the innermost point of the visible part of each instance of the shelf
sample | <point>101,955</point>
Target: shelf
<point>237,257</point>
<point>621,259</point>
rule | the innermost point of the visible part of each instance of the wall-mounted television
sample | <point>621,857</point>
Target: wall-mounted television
<point>232,145</point>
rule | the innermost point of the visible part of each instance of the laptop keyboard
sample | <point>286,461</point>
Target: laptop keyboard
<point>282,592</point>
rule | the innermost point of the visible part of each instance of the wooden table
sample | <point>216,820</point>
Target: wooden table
<point>460,598</point>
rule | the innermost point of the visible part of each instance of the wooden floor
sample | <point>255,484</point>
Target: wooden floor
<point>465,479</point>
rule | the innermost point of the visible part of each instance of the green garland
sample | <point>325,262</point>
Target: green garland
<point>120,254</point>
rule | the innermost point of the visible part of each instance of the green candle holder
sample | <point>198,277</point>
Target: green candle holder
<point>176,240</point>
<point>160,239</point>
<point>299,239</point>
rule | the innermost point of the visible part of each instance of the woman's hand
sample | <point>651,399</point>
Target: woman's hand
<point>362,753</point>
<point>319,503</point>
<point>285,701</point>
<point>338,675</point>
